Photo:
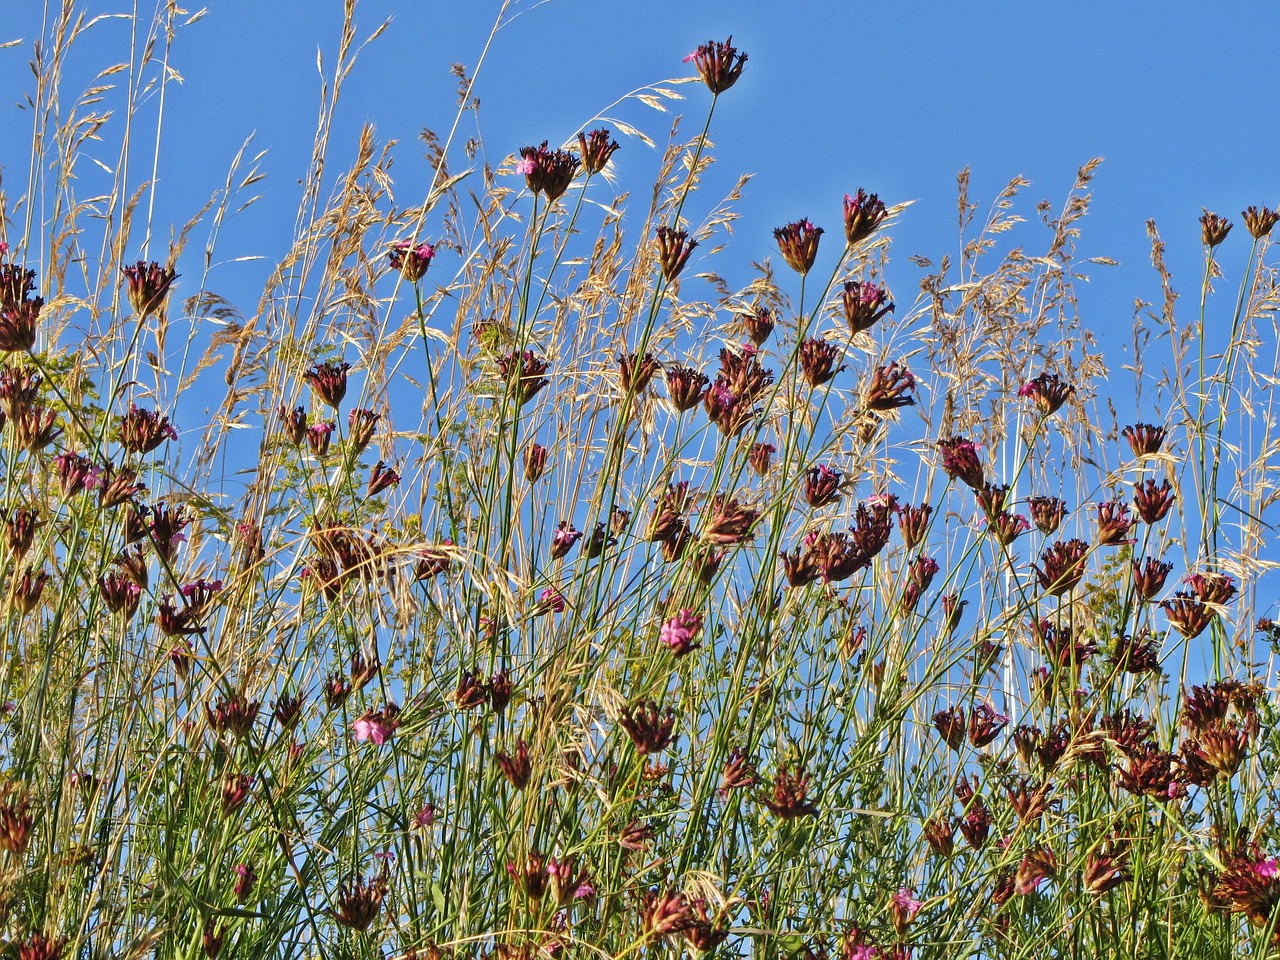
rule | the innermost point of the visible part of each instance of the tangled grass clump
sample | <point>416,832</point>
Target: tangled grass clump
<point>574,603</point>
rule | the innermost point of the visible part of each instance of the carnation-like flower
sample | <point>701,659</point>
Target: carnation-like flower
<point>863,213</point>
<point>798,244</point>
<point>679,633</point>
<point>595,148</point>
<point>720,64</point>
<point>377,726</point>
<point>411,260</point>
<point>147,286</point>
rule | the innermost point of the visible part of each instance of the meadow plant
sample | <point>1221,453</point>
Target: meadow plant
<point>527,590</point>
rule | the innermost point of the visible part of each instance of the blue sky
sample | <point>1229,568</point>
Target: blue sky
<point>896,97</point>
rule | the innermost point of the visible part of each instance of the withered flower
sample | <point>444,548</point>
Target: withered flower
<point>595,148</point>
<point>1007,527</point>
<point>920,573</point>
<point>1187,614</point>
<point>1106,868</point>
<point>381,478</point>
<point>685,387</point>
<point>1136,654</point>
<point>1144,439</point>
<point>1047,513</point>
<point>739,772</point>
<point>1213,229</point>
<point>471,692</point>
<point>674,247</point>
<point>821,486</point>
<point>865,304</point>
<point>952,611</point>
<point>950,724</point>
<point>719,64</point>
<point>1260,222</point>
<point>295,424</point>
<point>798,244</point>
<point>960,461</point>
<point>649,727</point>
<point>790,792</point>
<point>516,768</point>
<point>1150,772</point>
<point>1037,865</point>
<point>975,824</point>
<point>18,322</point>
<point>1152,500</point>
<point>25,590</point>
<point>665,913</point>
<point>759,457</point>
<point>16,822</point>
<point>235,792</point>
<point>863,214</point>
<point>891,387</point>
<point>818,361</point>
<point>758,324</point>
<point>535,461</point>
<point>1114,523</point>
<point>992,498</point>
<point>636,372</point>
<point>328,381</point>
<point>1048,392</point>
<point>147,286</point>
<point>940,836</point>
<point>40,946</point>
<point>523,373</point>
<point>359,903</point>
<point>360,427</point>
<point>913,521</point>
<point>1063,566</point>
<point>234,715</point>
<point>599,541</point>
<point>669,510</point>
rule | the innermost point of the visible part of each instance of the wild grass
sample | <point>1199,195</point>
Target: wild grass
<point>502,582</point>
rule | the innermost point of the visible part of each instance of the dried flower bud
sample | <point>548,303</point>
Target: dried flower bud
<point>1260,222</point>
<point>674,247</point>
<point>719,64</point>
<point>147,286</point>
<point>1213,229</point>
<point>863,214</point>
<point>596,148</point>
<point>798,244</point>
<point>1144,439</point>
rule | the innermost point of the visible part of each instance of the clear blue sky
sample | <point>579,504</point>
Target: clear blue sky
<point>893,96</point>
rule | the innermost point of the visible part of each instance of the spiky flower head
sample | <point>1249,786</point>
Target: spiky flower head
<point>720,64</point>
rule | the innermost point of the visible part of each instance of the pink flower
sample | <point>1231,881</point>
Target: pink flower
<point>550,600</point>
<point>678,633</point>
<point>1269,868</point>
<point>907,903</point>
<point>376,726</point>
<point>526,166</point>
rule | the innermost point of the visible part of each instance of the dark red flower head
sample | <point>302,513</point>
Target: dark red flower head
<point>863,213</point>
<point>148,286</point>
<point>596,149</point>
<point>798,243</point>
<point>720,64</point>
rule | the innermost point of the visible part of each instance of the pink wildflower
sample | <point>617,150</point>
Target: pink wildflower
<point>678,633</point>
